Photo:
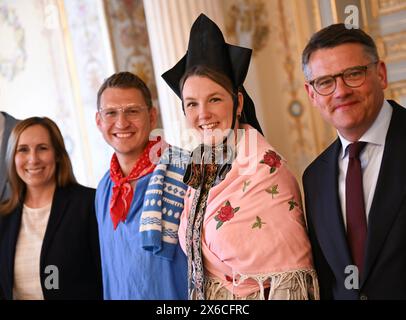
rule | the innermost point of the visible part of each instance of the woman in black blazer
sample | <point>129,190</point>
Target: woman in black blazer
<point>49,246</point>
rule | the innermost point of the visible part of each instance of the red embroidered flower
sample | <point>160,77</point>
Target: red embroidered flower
<point>225,213</point>
<point>272,159</point>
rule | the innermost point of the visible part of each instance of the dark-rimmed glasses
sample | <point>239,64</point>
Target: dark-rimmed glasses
<point>353,77</point>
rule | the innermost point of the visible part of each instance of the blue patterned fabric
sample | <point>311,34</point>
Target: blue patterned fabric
<point>131,272</point>
<point>163,204</point>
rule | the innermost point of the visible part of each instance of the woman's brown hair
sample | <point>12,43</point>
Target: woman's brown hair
<point>217,77</point>
<point>63,173</point>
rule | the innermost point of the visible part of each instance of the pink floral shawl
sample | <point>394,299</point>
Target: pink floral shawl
<point>254,226</point>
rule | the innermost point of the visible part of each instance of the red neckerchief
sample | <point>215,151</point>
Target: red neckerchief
<point>122,190</point>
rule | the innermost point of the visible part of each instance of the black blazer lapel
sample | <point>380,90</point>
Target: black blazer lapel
<point>390,189</point>
<point>329,220</point>
<point>60,204</point>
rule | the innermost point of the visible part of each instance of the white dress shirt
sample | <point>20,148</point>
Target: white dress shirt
<point>370,157</point>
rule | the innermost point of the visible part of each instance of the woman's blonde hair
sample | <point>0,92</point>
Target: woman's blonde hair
<point>63,172</point>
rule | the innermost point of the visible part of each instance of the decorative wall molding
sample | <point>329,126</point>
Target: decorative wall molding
<point>384,7</point>
<point>300,144</point>
<point>397,90</point>
<point>394,46</point>
<point>389,18</point>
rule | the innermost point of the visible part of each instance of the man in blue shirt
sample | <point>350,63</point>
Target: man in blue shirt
<point>139,259</point>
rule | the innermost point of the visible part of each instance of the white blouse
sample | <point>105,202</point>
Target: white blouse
<point>27,282</point>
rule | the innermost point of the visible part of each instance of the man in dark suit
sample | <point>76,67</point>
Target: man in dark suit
<point>7,123</point>
<point>355,191</point>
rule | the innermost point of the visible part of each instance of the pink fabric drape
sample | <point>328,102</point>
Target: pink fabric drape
<point>254,224</point>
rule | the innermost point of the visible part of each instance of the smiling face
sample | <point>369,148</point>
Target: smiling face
<point>351,110</point>
<point>209,108</point>
<point>127,136</point>
<point>35,158</point>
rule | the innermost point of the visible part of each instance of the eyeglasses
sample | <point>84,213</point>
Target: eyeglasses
<point>111,115</point>
<point>352,77</point>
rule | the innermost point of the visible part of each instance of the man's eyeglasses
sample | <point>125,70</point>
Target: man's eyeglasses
<point>352,77</point>
<point>111,115</point>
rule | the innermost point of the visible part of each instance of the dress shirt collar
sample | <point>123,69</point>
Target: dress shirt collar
<point>376,134</point>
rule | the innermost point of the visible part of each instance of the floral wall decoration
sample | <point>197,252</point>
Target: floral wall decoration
<point>13,56</point>
<point>248,23</point>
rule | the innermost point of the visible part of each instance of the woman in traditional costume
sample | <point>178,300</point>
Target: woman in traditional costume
<point>243,227</point>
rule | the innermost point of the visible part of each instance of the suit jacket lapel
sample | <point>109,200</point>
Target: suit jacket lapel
<point>3,148</point>
<point>390,189</point>
<point>8,126</point>
<point>60,203</point>
<point>331,225</point>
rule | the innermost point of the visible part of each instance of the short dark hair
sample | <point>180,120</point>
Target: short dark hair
<point>125,80</point>
<point>333,36</point>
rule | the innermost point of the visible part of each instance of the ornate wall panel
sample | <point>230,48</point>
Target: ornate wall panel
<point>129,38</point>
<point>383,7</point>
<point>390,17</point>
<point>394,46</point>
